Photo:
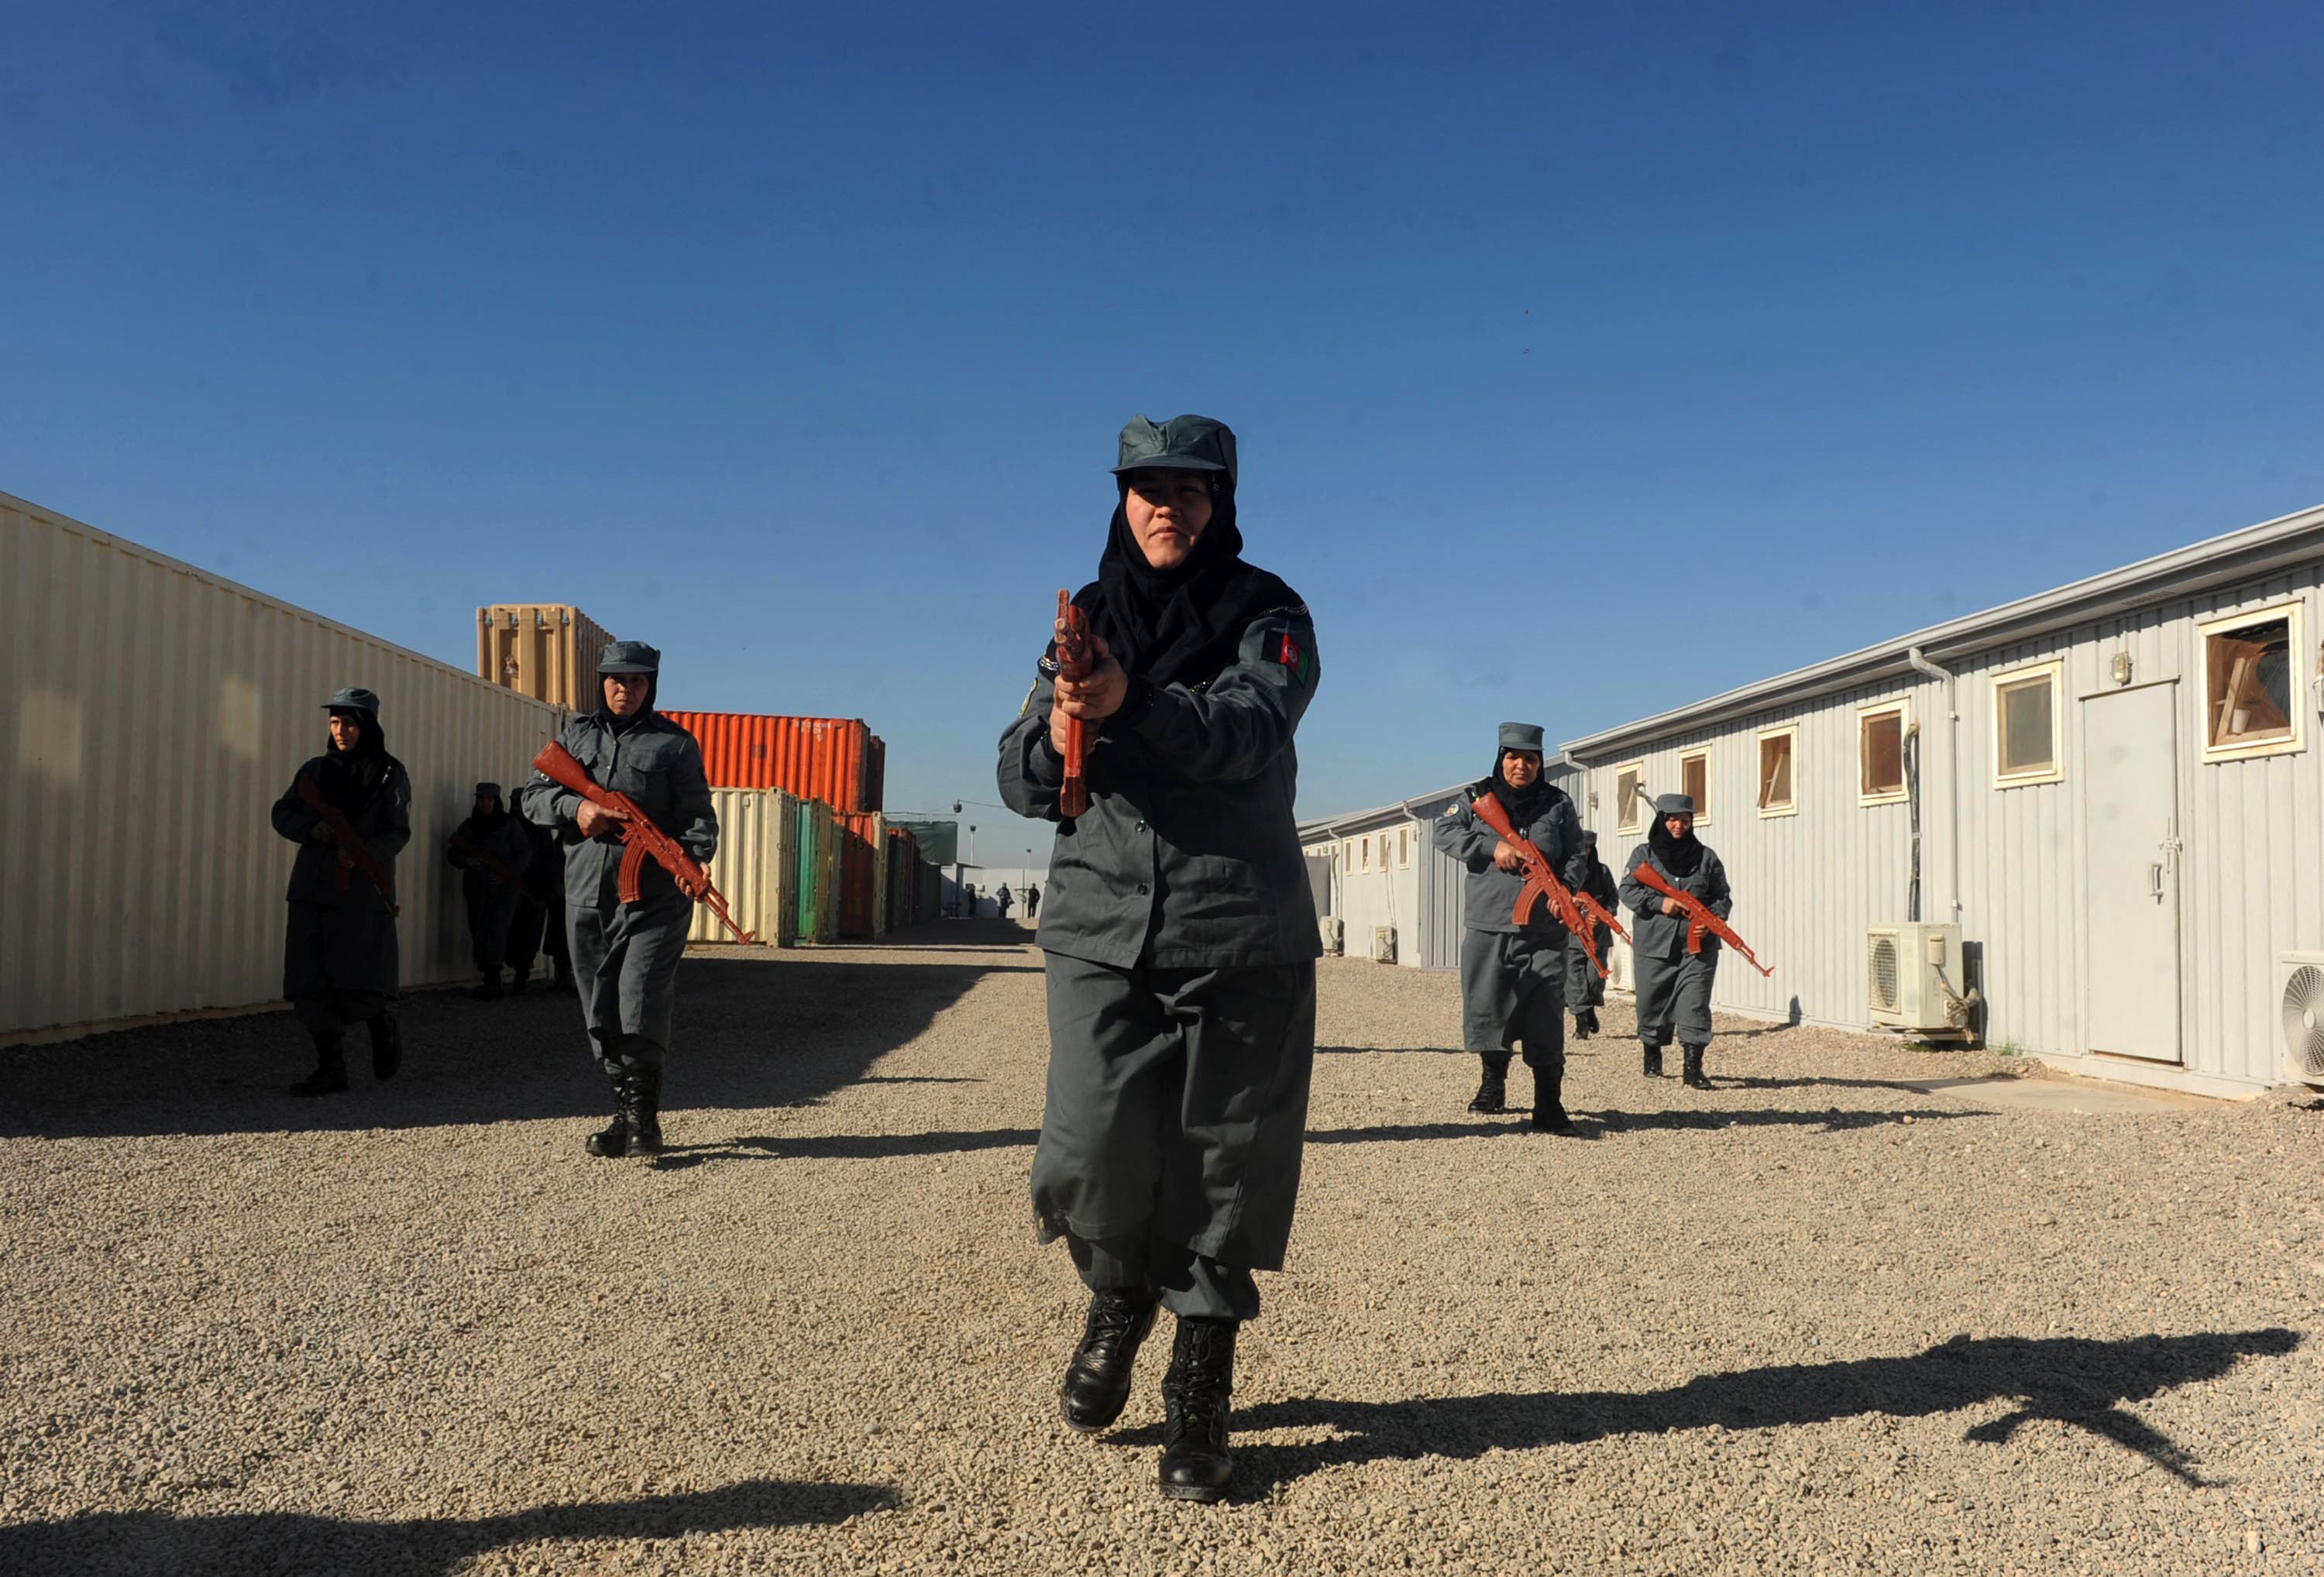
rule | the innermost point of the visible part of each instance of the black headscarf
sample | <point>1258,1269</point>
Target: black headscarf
<point>1183,623</point>
<point>1523,805</point>
<point>1679,856</point>
<point>490,820</point>
<point>350,778</point>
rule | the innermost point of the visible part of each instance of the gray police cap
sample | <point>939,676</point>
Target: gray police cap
<point>493,789</point>
<point>1521,736</point>
<point>1183,443</point>
<point>354,698</point>
<point>629,656</point>
<point>1589,838</point>
<point>1673,805</point>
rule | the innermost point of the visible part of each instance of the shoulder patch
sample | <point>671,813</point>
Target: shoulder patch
<point>1280,645</point>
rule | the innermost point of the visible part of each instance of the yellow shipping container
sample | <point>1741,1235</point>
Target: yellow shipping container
<point>548,650</point>
<point>757,869</point>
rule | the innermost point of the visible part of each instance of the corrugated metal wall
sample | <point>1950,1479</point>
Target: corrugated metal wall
<point>757,867</point>
<point>153,715</point>
<point>548,650</point>
<point>830,759</point>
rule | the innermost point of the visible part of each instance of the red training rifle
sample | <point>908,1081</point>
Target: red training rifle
<point>490,864</point>
<point>354,854</point>
<point>1542,885</point>
<point>1699,917</point>
<point>1073,662</point>
<point>638,835</point>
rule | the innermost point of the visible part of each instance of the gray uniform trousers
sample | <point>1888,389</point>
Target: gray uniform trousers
<point>1512,990</point>
<point>625,962</point>
<point>340,963</point>
<point>1584,986</point>
<point>492,912</point>
<point>1674,994</point>
<point>1177,1111</point>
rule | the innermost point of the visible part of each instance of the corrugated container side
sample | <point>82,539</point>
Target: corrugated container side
<point>154,713</point>
<point>875,775</point>
<point>819,874</point>
<point>548,650</point>
<point>816,758</point>
<point>756,868</point>
<point>863,840</point>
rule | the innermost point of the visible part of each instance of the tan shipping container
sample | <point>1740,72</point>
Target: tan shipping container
<point>548,650</point>
<point>757,868</point>
<point>153,714</point>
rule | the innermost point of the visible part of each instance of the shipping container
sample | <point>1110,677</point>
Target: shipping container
<point>864,856</point>
<point>154,713</point>
<point>548,650</point>
<point>757,867</point>
<point>818,873</point>
<point>836,759</point>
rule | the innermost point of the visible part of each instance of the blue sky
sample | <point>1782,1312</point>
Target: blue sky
<point>1585,359</point>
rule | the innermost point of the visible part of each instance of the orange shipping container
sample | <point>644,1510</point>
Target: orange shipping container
<point>836,759</point>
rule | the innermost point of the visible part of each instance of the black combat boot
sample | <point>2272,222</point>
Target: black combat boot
<point>387,1045</point>
<point>614,1138</point>
<point>644,1108</point>
<point>1693,1078</point>
<point>516,987</point>
<point>1196,1465</point>
<point>1098,1375</point>
<point>1653,1068</point>
<point>1585,1023</point>
<point>1493,1092</point>
<point>1549,1110</point>
<point>331,1074</point>
<point>488,989</point>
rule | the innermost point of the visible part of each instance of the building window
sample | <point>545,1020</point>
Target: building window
<point>1367,843</point>
<point>1348,853</point>
<point>1404,848</point>
<point>2026,720</point>
<point>2252,684</point>
<point>1776,797</point>
<point>1628,784</point>
<point>1695,780</point>
<point>1880,752</point>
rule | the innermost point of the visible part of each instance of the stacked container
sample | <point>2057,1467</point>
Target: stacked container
<point>818,873</point>
<point>757,870</point>
<point>862,876</point>
<point>548,650</point>
<point>836,759</point>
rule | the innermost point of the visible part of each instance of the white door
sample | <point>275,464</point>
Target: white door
<point>2130,869</point>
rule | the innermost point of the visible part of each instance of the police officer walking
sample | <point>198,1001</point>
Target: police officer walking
<point>340,965</point>
<point>1181,942</point>
<point>1512,977</point>
<point>625,956</point>
<point>1673,985</point>
<point>490,836</point>
<point>539,929</point>
<point>1585,988</point>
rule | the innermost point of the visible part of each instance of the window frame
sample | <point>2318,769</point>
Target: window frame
<point>1702,801</point>
<point>2293,613</point>
<point>1404,847</point>
<point>1902,709</point>
<point>1348,850</point>
<point>1365,859</point>
<point>1789,731</point>
<point>2053,670</point>
<point>1626,819</point>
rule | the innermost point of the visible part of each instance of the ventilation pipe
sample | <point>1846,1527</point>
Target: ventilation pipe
<point>1919,661</point>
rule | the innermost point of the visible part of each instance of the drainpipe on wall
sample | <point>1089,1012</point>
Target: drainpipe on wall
<point>1919,660</point>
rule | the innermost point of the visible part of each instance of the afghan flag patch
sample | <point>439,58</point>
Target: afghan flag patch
<point>1284,647</point>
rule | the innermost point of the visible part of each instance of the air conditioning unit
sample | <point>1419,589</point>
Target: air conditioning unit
<point>1911,975</point>
<point>1383,943</point>
<point>2300,1006</point>
<point>1335,934</point>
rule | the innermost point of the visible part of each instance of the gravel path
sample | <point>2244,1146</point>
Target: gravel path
<point>1815,1320</point>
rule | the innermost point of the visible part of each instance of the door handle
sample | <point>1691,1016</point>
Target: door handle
<point>2155,880</point>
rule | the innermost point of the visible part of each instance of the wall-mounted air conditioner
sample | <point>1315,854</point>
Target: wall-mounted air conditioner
<point>1335,934</point>
<point>1913,979</point>
<point>2299,1008</point>
<point>1383,943</point>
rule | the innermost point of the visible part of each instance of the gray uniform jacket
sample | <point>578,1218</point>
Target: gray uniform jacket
<point>1655,935</point>
<point>1490,898</point>
<point>508,843</point>
<point>1188,856</point>
<point>385,824</point>
<point>655,763</point>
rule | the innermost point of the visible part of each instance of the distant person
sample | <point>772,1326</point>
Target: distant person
<point>539,930</point>
<point>490,851</point>
<point>967,901</point>
<point>1585,988</point>
<point>1003,899</point>
<point>1513,975</point>
<point>340,965</point>
<point>1032,901</point>
<point>1181,965</point>
<point>625,956</point>
<point>1673,985</point>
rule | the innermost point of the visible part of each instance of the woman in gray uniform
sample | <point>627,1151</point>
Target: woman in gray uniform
<point>490,834</point>
<point>1181,941</point>
<point>625,956</point>
<point>1512,975</point>
<point>1585,988</point>
<point>1675,985</point>
<point>340,965</point>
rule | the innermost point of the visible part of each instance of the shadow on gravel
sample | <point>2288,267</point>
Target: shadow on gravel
<point>1588,1125</point>
<point>141,1543</point>
<point>847,1147</point>
<point>2064,1379</point>
<point>753,1031</point>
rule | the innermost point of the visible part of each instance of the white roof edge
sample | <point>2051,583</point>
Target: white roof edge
<point>2234,556</point>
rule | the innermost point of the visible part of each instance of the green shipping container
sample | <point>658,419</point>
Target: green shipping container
<point>818,873</point>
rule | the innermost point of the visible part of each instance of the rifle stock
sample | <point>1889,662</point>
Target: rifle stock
<point>639,836</point>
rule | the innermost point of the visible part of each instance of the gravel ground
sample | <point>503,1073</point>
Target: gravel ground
<point>1816,1320</point>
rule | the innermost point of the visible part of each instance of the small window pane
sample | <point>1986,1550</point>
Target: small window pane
<point>1694,779</point>
<point>2025,727</point>
<point>2251,684</point>
<point>1404,847</point>
<point>1776,773</point>
<point>1625,800</point>
<point>1884,754</point>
